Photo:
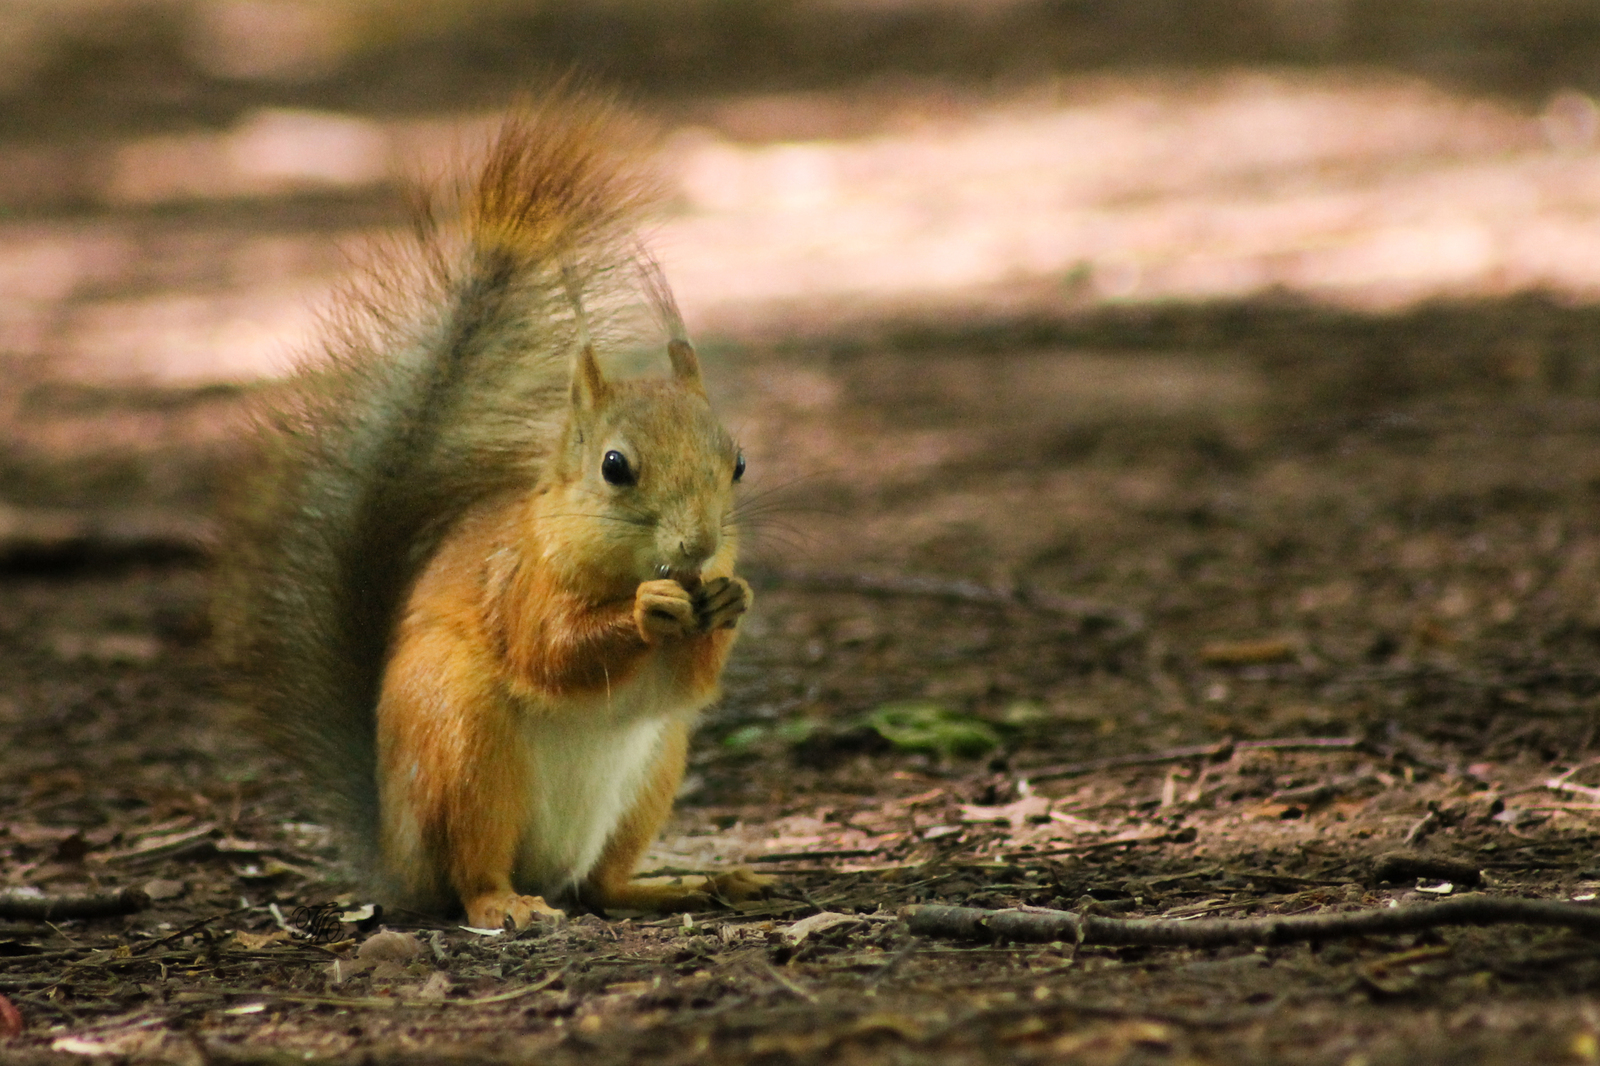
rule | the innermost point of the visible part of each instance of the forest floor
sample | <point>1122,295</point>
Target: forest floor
<point>1392,548</point>
<point>1130,592</point>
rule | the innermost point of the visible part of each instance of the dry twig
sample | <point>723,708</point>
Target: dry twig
<point>35,538</point>
<point>936,588</point>
<point>52,908</point>
<point>1218,752</point>
<point>972,923</point>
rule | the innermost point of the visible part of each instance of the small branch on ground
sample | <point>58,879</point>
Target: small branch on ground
<point>1218,752</point>
<point>972,923</point>
<point>34,539</point>
<point>937,588</point>
<point>52,908</point>
<point>193,927</point>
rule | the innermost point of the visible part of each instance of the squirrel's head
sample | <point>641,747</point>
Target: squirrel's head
<point>645,476</point>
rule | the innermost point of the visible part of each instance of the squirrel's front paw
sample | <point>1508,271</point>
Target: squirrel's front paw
<point>719,602</point>
<point>663,610</point>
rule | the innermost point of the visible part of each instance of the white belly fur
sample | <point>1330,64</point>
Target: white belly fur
<point>586,766</point>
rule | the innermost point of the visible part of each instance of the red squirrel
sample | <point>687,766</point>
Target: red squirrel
<point>480,587</point>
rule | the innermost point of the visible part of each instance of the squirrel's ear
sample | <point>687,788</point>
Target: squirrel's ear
<point>589,388</point>
<point>685,364</point>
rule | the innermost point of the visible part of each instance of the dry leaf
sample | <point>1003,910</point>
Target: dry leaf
<point>389,946</point>
<point>257,941</point>
<point>390,970</point>
<point>74,1045</point>
<point>341,970</point>
<point>235,846</point>
<point>1110,1042</point>
<point>156,843</point>
<point>436,987</point>
<point>1016,815</point>
<point>797,932</point>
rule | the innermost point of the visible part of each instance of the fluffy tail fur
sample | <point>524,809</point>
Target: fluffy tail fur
<point>443,383</point>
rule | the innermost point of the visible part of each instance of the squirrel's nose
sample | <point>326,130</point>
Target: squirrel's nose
<point>691,556</point>
<point>696,548</point>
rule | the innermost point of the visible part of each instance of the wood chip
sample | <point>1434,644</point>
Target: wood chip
<point>1249,652</point>
<point>797,932</point>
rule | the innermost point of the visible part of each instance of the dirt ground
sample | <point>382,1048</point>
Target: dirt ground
<point>1072,592</point>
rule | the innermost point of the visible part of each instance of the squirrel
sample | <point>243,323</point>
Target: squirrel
<point>479,587</point>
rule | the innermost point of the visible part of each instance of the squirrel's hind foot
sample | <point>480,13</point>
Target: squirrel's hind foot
<point>496,910</point>
<point>739,884</point>
<point>735,886</point>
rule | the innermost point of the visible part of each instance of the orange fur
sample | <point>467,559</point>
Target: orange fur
<point>525,567</point>
<point>526,612</point>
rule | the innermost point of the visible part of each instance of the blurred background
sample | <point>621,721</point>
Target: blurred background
<point>181,180</point>
<point>927,244</point>
<point>1115,376</point>
<point>874,151</point>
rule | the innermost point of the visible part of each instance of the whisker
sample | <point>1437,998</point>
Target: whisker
<point>756,514</point>
<point>776,555</point>
<point>787,537</point>
<point>753,496</point>
<point>765,522</point>
<point>772,499</point>
<point>642,523</point>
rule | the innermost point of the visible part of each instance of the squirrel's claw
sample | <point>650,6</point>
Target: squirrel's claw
<point>720,601</point>
<point>665,609</point>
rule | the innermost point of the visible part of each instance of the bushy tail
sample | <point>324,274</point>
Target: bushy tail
<point>444,382</point>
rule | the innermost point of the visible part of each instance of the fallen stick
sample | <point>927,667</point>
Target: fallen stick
<point>55,539</point>
<point>50,908</point>
<point>937,588</point>
<point>1218,752</point>
<point>1040,925</point>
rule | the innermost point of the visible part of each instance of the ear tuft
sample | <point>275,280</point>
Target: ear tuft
<point>589,386</point>
<point>685,364</point>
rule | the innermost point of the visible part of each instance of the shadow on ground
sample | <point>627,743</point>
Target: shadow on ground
<point>1126,531</point>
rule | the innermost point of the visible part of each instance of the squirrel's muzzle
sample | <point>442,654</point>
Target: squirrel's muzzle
<point>688,578</point>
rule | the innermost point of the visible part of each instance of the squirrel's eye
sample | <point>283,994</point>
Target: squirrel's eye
<point>615,469</point>
<point>738,467</point>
